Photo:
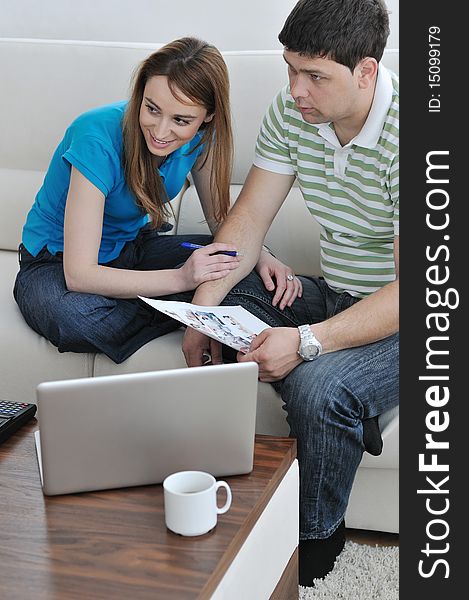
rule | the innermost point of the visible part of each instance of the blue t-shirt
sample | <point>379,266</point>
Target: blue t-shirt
<point>93,145</point>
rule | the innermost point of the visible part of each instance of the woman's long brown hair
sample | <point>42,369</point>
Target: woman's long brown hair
<point>196,70</point>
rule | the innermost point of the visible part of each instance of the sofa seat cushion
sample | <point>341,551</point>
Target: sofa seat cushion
<point>162,353</point>
<point>28,352</point>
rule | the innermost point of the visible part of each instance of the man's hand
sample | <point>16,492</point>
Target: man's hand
<point>275,276</point>
<point>275,351</point>
<point>196,347</point>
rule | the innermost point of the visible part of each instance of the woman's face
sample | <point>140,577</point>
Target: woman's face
<point>166,122</point>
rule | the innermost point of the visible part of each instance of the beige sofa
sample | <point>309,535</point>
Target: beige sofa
<point>45,84</point>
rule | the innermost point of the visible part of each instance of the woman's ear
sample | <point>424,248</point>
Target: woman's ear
<point>209,118</point>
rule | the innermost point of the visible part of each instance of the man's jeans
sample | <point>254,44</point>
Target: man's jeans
<point>327,400</point>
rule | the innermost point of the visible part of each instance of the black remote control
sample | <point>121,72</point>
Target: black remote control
<point>13,415</point>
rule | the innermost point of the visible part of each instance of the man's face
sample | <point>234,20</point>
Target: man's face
<point>324,90</point>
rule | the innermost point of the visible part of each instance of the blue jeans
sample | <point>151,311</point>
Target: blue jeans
<point>82,322</point>
<point>326,400</point>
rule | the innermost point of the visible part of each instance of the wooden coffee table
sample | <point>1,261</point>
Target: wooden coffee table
<point>114,544</point>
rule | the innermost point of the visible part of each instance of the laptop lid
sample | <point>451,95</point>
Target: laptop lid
<point>135,429</point>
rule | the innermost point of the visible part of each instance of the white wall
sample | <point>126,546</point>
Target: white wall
<point>229,25</point>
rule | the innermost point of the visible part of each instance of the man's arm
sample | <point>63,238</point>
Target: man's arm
<point>372,319</point>
<point>271,270</point>
<point>245,227</point>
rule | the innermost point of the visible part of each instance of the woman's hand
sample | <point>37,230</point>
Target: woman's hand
<point>279,277</point>
<point>206,264</point>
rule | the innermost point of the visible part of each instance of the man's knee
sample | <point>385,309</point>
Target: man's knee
<point>307,390</point>
<point>349,385</point>
<point>253,285</point>
<point>317,392</point>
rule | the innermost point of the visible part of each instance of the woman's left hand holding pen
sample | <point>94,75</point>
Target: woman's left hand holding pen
<point>208,264</point>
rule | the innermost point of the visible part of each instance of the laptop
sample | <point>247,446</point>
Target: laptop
<point>135,429</point>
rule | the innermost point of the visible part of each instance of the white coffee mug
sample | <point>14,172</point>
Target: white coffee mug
<point>190,502</point>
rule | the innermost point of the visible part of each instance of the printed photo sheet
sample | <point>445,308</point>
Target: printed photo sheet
<point>231,325</point>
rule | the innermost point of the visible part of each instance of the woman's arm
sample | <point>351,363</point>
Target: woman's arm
<point>201,177</point>
<point>82,237</point>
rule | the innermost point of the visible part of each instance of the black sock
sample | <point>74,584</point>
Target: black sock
<point>317,557</point>
<point>229,354</point>
<point>372,439</point>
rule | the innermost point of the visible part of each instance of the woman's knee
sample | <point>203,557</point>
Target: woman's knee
<point>71,320</point>
<point>85,319</point>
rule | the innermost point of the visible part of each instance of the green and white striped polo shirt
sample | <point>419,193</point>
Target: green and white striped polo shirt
<point>352,191</point>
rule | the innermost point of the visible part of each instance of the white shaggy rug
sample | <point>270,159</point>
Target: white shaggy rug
<point>360,573</point>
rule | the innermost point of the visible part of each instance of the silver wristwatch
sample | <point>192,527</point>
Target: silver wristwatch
<point>310,347</point>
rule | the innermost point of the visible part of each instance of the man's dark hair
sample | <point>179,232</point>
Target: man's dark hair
<point>345,31</point>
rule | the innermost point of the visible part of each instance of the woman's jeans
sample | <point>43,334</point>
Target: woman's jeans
<point>326,400</point>
<point>82,322</point>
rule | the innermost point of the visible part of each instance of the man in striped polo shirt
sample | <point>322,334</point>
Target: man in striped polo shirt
<point>333,351</point>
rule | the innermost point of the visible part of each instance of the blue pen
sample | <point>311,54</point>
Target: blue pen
<point>196,246</point>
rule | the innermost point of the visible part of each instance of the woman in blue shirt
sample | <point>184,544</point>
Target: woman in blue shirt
<point>92,240</point>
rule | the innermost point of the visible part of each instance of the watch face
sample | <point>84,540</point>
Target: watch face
<point>310,351</point>
<point>310,348</point>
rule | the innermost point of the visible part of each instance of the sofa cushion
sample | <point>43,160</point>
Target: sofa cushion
<point>27,359</point>
<point>18,189</point>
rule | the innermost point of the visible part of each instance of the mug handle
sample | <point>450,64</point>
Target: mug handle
<point>227,504</point>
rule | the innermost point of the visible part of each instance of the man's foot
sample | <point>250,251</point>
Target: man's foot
<point>229,354</point>
<point>372,439</point>
<point>317,557</point>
